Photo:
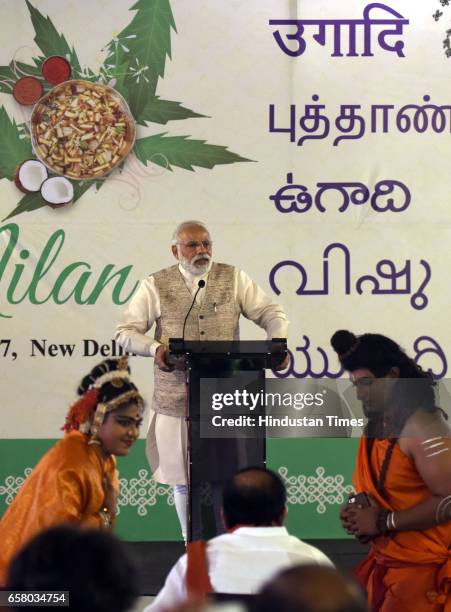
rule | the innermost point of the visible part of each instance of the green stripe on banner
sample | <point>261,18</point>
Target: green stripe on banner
<point>317,474</point>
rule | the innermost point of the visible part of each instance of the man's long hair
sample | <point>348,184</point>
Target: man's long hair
<point>414,388</point>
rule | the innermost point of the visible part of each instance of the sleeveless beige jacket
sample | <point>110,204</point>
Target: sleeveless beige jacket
<point>216,319</point>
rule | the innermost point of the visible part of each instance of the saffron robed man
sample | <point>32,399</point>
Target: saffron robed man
<point>163,300</point>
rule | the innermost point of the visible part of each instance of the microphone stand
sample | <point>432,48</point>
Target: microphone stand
<point>200,285</point>
<point>189,510</point>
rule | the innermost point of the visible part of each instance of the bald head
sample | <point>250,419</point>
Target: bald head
<point>310,588</point>
<point>256,497</point>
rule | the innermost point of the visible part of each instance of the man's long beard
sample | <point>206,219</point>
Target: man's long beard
<point>193,269</point>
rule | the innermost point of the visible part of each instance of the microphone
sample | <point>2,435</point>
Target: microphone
<point>200,284</point>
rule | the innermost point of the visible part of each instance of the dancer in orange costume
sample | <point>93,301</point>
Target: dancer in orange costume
<point>76,481</point>
<point>404,468</point>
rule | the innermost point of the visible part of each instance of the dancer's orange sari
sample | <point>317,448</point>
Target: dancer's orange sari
<point>410,571</point>
<point>67,485</point>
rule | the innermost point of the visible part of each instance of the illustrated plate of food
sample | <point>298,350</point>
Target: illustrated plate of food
<point>82,130</point>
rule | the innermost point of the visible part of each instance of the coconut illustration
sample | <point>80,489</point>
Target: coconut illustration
<point>30,175</point>
<point>57,191</point>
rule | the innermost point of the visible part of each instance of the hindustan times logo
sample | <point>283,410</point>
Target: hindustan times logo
<point>242,398</point>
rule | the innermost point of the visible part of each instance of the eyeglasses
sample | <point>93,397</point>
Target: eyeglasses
<point>363,382</point>
<point>193,244</point>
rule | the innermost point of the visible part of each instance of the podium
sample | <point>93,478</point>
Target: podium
<point>215,454</point>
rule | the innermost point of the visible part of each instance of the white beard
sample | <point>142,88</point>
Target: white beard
<point>193,269</point>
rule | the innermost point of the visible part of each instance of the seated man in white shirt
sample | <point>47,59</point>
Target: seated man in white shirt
<point>221,294</point>
<point>256,546</point>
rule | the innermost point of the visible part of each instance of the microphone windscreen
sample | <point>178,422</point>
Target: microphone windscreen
<point>201,284</point>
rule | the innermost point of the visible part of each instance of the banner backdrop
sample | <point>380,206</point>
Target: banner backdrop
<point>312,138</point>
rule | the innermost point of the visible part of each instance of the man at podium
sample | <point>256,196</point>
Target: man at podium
<point>195,299</point>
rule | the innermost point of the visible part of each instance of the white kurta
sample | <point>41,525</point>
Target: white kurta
<point>241,562</point>
<point>166,438</point>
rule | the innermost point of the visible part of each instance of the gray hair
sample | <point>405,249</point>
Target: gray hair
<point>182,226</point>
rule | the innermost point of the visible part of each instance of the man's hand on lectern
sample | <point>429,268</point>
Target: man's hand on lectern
<point>284,364</point>
<point>161,358</point>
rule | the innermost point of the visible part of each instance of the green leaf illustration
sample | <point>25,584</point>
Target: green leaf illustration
<point>162,111</point>
<point>80,187</point>
<point>118,74</point>
<point>29,202</point>
<point>33,201</point>
<point>14,150</point>
<point>144,46</point>
<point>179,151</point>
<point>48,39</point>
<point>7,79</point>
<point>152,26</point>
